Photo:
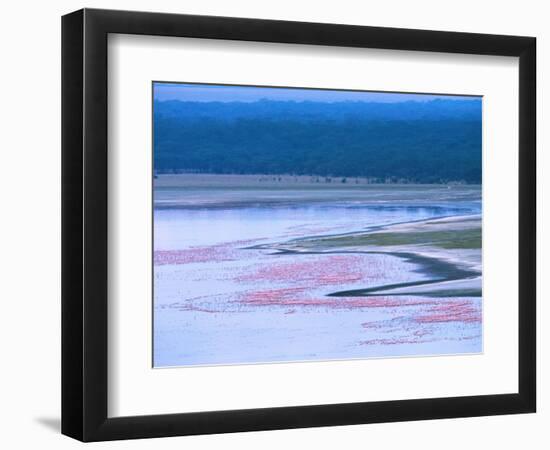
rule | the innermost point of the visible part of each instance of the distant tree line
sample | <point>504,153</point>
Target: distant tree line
<point>432,142</point>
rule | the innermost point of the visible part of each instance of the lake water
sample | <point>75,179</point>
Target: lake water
<point>219,300</point>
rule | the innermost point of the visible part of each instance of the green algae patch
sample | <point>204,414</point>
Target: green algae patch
<point>450,239</point>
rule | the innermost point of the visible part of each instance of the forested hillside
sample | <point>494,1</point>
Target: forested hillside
<point>426,142</point>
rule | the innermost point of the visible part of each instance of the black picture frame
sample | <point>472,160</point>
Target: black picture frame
<point>84,224</point>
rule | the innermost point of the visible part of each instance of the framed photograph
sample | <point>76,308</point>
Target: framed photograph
<point>273,224</point>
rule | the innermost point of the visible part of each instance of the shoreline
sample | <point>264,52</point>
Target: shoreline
<point>193,191</point>
<point>283,181</point>
<point>453,272</point>
<point>444,272</point>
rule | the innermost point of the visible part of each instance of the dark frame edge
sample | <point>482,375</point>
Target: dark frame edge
<point>269,419</point>
<point>72,251</point>
<point>527,289</point>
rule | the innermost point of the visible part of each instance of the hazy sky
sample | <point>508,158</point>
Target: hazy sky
<point>209,93</point>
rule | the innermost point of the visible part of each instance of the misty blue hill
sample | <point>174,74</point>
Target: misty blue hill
<point>433,141</point>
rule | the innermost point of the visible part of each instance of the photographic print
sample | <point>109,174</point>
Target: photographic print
<point>300,224</point>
